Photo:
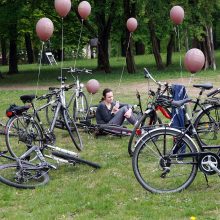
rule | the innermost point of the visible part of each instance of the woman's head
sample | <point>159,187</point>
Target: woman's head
<point>107,95</point>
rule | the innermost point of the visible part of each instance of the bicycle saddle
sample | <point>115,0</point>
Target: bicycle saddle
<point>204,86</point>
<point>27,98</point>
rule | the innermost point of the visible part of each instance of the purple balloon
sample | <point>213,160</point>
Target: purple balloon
<point>132,24</point>
<point>44,29</point>
<point>84,9</point>
<point>92,86</point>
<point>177,14</point>
<point>194,60</point>
<point>62,7</point>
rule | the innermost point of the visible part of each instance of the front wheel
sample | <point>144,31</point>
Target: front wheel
<point>156,163</point>
<point>27,177</point>
<point>73,131</point>
<point>80,107</point>
<point>143,125</point>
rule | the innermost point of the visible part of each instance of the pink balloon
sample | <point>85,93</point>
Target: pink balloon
<point>177,14</point>
<point>44,29</point>
<point>62,7</point>
<point>84,9</point>
<point>92,86</point>
<point>132,24</point>
<point>194,60</point>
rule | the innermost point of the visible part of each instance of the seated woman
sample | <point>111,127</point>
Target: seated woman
<point>110,112</point>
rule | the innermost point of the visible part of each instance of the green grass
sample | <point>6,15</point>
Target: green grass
<point>111,192</point>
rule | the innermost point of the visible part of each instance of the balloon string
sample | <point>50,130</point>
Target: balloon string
<point>119,84</point>
<point>77,51</point>
<point>61,65</point>
<point>180,57</point>
<point>39,69</point>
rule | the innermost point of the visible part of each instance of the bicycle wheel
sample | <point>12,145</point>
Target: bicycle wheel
<point>80,107</point>
<point>73,159</point>
<point>73,130</point>
<point>21,134</point>
<point>207,125</point>
<point>27,177</point>
<point>143,125</point>
<point>155,166</point>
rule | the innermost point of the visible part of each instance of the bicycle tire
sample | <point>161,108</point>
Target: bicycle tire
<point>26,180</point>
<point>207,125</point>
<point>22,132</point>
<point>80,107</point>
<point>154,165</point>
<point>143,125</point>
<point>73,131</point>
<point>75,159</point>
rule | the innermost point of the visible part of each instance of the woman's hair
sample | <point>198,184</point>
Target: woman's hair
<point>105,91</point>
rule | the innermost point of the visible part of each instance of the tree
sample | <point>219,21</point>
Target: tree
<point>129,11</point>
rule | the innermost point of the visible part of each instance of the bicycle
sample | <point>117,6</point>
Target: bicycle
<point>77,104</point>
<point>161,102</point>
<point>150,116</point>
<point>166,160</point>
<point>23,174</point>
<point>25,129</point>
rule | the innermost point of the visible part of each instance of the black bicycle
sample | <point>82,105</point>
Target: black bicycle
<point>206,126</point>
<point>167,159</point>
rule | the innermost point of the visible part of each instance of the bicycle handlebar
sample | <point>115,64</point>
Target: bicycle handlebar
<point>149,76</point>
<point>75,70</point>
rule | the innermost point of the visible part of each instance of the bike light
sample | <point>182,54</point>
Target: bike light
<point>9,114</point>
<point>138,132</point>
<point>81,85</point>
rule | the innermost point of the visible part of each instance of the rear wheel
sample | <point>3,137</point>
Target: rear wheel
<point>156,164</point>
<point>21,134</point>
<point>207,125</point>
<point>27,177</point>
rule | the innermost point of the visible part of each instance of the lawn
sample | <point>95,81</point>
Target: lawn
<point>111,192</point>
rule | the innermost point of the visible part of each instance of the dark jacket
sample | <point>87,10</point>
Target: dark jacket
<point>103,114</point>
<point>179,93</point>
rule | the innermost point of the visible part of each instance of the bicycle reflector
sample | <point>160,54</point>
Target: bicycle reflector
<point>138,132</point>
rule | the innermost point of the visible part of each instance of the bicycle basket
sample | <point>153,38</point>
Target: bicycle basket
<point>16,110</point>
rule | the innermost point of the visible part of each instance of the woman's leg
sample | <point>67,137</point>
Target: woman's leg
<point>119,116</point>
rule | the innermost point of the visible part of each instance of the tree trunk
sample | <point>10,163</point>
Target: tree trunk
<point>155,46</point>
<point>13,59</point>
<point>4,52</point>
<point>103,55</point>
<point>210,47</point>
<point>29,49</point>
<point>104,29</point>
<point>129,11</point>
<point>170,48</point>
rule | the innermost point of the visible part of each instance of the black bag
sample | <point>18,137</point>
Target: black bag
<point>16,110</point>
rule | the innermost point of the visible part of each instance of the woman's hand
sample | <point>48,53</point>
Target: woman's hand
<point>128,113</point>
<point>115,109</point>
